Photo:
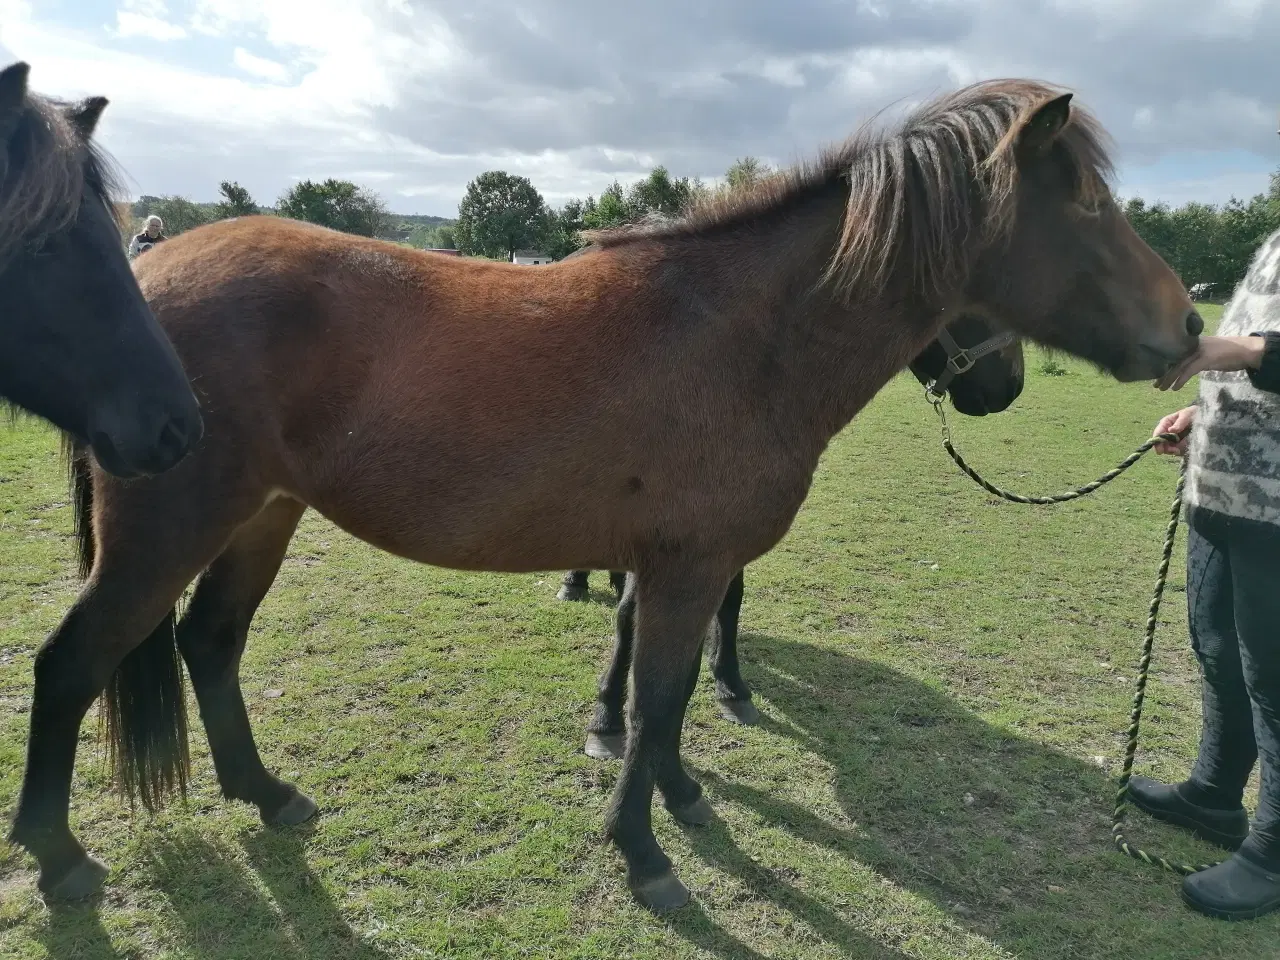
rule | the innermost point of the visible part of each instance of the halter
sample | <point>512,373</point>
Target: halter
<point>960,360</point>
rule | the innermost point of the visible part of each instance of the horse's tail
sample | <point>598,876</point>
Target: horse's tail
<point>144,711</point>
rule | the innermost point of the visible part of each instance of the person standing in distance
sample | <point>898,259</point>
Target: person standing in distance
<point>152,234</point>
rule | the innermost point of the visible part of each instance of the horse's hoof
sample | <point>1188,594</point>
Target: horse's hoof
<point>571,592</point>
<point>739,711</point>
<point>81,881</point>
<point>299,809</point>
<point>606,746</point>
<point>661,893</point>
<point>696,814</point>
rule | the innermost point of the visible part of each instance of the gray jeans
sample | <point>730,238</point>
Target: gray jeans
<point>1233,608</point>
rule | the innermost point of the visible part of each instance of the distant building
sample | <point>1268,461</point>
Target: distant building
<point>529,258</point>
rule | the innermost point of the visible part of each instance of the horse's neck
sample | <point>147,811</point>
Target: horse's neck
<point>831,357</point>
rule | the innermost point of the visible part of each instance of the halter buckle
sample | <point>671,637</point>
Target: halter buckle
<point>956,359</point>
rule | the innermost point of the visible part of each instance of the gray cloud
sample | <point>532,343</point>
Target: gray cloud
<point>696,84</point>
<point>573,93</point>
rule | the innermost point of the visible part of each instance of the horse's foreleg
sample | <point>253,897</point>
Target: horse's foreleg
<point>119,631</point>
<point>674,608</point>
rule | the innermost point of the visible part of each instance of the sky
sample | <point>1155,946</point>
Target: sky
<point>414,98</point>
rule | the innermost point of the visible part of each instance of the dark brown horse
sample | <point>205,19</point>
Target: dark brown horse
<point>78,345</point>
<point>984,378</point>
<point>685,380</point>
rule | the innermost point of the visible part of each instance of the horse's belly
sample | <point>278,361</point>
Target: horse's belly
<point>503,547</point>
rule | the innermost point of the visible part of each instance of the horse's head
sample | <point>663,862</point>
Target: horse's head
<point>1064,266</point>
<point>78,344</point>
<point>978,366</point>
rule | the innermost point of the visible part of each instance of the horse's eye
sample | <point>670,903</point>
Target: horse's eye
<point>1090,206</point>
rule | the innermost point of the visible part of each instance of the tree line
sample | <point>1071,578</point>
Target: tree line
<point>501,213</point>
<point>339,204</point>
<point>1205,243</point>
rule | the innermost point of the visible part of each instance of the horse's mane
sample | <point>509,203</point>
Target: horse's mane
<point>915,193</point>
<point>49,167</point>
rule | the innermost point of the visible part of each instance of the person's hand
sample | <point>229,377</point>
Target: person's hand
<point>1180,423</point>
<point>1215,353</point>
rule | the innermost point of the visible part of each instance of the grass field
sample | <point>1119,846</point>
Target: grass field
<point>944,678</point>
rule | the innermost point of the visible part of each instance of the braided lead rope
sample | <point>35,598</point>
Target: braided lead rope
<point>1075,494</point>
<point>1144,665</point>
<point>1139,694</point>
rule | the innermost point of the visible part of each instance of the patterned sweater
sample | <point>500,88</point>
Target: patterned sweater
<point>1233,462</point>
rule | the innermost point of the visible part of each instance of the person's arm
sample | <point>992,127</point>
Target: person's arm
<point>133,248</point>
<point>1222,353</point>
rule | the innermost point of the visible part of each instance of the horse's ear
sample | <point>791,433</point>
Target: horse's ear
<point>13,95</point>
<point>84,116</point>
<point>1043,126</point>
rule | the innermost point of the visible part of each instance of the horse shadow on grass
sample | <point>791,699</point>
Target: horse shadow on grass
<point>1009,836</point>
<point>74,931</point>
<point>223,913</point>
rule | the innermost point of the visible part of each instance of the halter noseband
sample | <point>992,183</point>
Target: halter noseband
<point>960,360</point>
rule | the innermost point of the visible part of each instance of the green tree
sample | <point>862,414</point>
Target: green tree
<point>1197,250</point>
<point>142,206</point>
<point>178,213</point>
<point>500,214</point>
<point>1154,225</point>
<point>337,204</point>
<point>564,232</point>
<point>235,202</point>
<point>439,236</point>
<point>1242,228</point>
<point>444,237</point>
<point>746,171</point>
<point>610,210</point>
<point>658,193</point>
<point>1204,243</point>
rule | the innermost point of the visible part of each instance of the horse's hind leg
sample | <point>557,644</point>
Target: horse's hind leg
<point>574,586</point>
<point>144,564</point>
<point>675,604</point>
<point>618,580</point>
<point>212,638</point>
<point>607,732</point>
<point>732,693</point>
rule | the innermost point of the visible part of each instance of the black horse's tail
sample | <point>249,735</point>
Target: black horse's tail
<point>144,711</point>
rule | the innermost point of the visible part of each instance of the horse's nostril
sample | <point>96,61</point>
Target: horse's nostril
<point>1195,323</point>
<point>173,436</point>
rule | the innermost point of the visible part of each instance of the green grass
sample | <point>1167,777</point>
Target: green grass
<point>945,680</point>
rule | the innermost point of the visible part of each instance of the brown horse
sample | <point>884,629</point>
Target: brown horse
<point>686,380</point>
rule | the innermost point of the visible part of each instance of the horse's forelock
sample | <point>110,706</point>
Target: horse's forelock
<point>949,172</point>
<point>49,169</point>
